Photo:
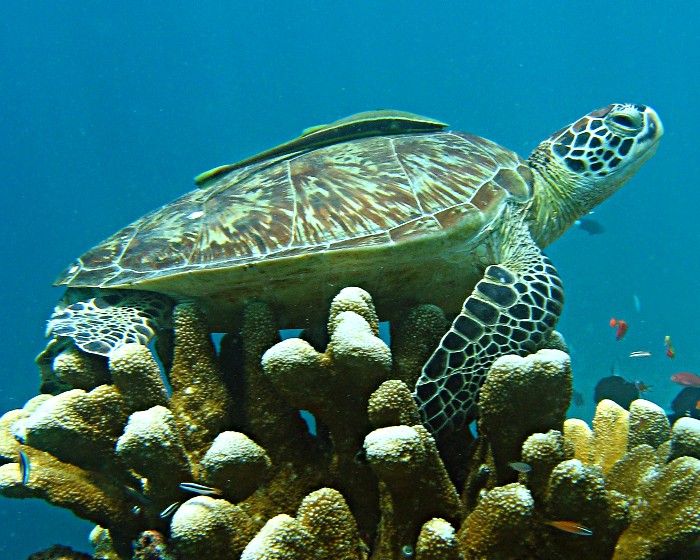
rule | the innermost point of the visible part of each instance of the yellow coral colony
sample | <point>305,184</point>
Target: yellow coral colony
<point>116,438</point>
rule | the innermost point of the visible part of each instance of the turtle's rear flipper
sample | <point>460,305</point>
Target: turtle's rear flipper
<point>101,324</point>
<point>512,310</point>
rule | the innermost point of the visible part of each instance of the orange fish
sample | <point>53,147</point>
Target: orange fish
<point>621,329</point>
<point>571,527</point>
<point>670,351</point>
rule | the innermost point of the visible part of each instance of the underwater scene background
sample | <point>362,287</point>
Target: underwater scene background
<point>108,111</point>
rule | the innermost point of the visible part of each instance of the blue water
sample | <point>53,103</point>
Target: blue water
<point>107,112</point>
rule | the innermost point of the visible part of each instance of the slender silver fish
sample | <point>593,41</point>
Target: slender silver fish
<point>24,467</point>
<point>200,489</point>
<point>168,511</point>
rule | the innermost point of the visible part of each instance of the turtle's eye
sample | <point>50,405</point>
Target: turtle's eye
<point>626,121</point>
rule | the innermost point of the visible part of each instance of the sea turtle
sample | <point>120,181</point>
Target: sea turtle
<point>406,209</point>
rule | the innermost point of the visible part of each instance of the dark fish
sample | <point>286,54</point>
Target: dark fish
<point>616,389</point>
<point>138,496</point>
<point>685,403</point>
<point>24,467</point>
<point>578,398</point>
<point>200,489</point>
<point>361,457</point>
<point>642,387</point>
<point>615,369</point>
<point>590,226</point>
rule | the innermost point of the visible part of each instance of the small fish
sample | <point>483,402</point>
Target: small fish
<point>361,457</point>
<point>670,351</point>
<point>578,398</point>
<point>615,369</point>
<point>621,329</point>
<point>571,527</point>
<point>640,354</point>
<point>637,303</point>
<point>200,489</point>
<point>168,511</point>
<point>697,405</point>
<point>24,467</point>
<point>642,387</point>
<point>686,379</point>
<point>520,466</point>
<point>590,226</point>
<point>138,496</point>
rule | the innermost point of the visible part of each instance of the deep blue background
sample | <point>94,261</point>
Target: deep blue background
<point>107,110</point>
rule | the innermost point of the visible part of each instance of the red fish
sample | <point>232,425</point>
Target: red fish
<point>571,527</point>
<point>670,351</point>
<point>621,329</point>
<point>686,379</point>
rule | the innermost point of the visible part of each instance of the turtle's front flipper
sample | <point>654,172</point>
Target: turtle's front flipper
<point>109,319</point>
<point>512,310</point>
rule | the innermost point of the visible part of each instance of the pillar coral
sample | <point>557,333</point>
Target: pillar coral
<point>112,445</point>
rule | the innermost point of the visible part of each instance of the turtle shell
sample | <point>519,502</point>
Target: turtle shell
<point>403,216</point>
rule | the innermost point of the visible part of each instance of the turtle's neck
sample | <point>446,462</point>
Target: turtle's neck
<point>552,210</point>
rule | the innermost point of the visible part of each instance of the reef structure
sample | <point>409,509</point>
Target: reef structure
<point>197,450</point>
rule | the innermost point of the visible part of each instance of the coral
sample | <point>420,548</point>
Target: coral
<point>113,440</point>
<point>499,525</point>
<point>58,552</point>
<point>685,438</point>
<point>152,447</point>
<point>199,396</point>
<point>151,545</point>
<point>414,339</point>
<point>414,485</point>
<point>235,464</point>
<point>324,529</point>
<point>648,424</point>
<point>667,516</point>
<point>543,452</point>
<point>610,429</point>
<point>437,541</point>
<point>207,525</point>
<point>392,405</point>
<point>535,389</point>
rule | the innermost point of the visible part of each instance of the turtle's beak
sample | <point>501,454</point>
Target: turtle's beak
<point>654,129</point>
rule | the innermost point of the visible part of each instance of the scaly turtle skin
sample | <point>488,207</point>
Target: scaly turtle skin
<point>421,217</point>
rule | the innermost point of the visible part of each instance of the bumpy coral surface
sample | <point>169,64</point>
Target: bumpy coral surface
<point>202,452</point>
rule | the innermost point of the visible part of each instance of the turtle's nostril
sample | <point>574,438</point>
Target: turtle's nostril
<point>655,126</point>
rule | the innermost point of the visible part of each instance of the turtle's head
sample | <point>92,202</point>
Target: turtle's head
<point>583,164</point>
